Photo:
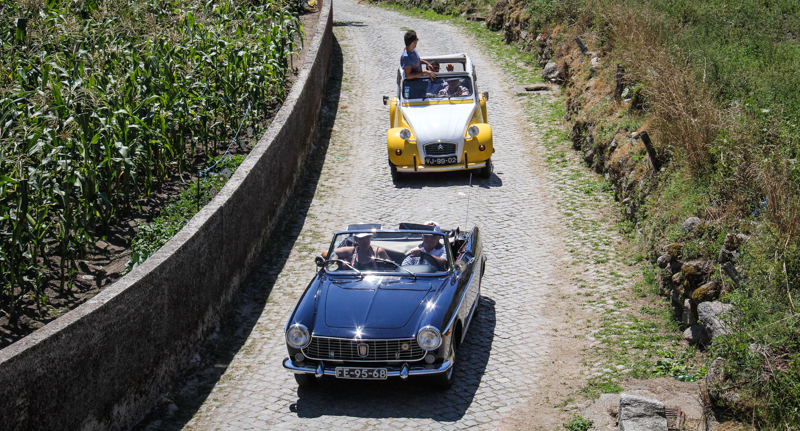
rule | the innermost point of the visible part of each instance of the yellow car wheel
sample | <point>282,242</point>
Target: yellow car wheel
<point>486,171</point>
<point>396,176</point>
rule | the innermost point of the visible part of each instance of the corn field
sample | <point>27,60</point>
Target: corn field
<point>100,100</point>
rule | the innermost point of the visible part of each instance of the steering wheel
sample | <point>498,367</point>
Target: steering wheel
<point>385,262</point>
<point>426,256</point>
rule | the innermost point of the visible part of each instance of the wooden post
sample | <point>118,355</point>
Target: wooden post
<point>620,83</point>
<point>581,45</point>
<point>651,151</point>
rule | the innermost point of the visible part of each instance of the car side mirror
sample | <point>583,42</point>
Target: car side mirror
<point>319,261</point>
<point>385,100</point>
<point>485,95</point>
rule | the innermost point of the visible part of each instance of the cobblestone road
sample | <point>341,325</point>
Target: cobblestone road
<point>506,352</point>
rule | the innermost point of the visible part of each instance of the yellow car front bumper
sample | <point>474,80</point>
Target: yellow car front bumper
<point>448,168</point>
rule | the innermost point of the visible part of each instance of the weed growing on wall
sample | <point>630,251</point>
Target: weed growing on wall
<point>178,211</point>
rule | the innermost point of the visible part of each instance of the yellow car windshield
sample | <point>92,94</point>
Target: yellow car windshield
<point>439,87</point>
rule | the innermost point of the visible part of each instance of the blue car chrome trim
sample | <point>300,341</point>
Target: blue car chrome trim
<point>393,371</point>
<point>402,371</point>
<point>380,350</point>
<point>452,321</point>
<point>439,333</point>
<point>474,307</point>
<point>305,329</point>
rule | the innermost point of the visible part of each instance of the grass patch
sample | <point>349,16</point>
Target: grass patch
<point>578,423</point>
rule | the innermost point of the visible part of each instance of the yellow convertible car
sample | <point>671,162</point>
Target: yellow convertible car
<point>439,124</point>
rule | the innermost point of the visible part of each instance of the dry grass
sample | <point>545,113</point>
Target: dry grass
<point>685,117</point>
<point>716,144</point>
<point>731,161</point>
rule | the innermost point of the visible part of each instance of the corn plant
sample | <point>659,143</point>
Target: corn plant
<point>101,100</point>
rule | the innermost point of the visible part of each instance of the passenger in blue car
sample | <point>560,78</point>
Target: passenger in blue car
<point>361,256</point>
<point>432,245</point>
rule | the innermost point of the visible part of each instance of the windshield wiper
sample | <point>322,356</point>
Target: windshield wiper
<point>377,259</point>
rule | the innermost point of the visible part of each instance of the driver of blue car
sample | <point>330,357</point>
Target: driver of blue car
<point>431,245</point>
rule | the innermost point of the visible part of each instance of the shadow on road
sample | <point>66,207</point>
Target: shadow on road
<point>447,179</point>
<point>413,398</point>
<point>187,394</point>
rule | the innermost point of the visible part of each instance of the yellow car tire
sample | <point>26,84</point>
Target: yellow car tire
<point>486,171</point>
<point>396,176</point>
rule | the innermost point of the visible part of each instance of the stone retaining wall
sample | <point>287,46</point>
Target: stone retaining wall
<point>103,364</point>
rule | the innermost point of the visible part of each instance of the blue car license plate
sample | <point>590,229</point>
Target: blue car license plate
<point>361,373</point>
<point>441,160</point>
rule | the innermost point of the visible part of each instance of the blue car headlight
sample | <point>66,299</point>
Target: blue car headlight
<point>297,336</point>
<point>429,338</point>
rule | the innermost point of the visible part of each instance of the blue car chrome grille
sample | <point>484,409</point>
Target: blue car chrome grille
<point>440,149</point>
<point>341,349</point>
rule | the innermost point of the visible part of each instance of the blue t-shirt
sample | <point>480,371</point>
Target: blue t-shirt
<point>412,60</point>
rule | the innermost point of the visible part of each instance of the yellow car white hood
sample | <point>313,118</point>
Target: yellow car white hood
<point>440,122</point>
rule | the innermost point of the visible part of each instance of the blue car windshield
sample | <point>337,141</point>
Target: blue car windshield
<point>389,252</point>
<point>437,88</point>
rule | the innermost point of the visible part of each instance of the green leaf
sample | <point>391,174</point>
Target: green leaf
<point>7,179</point>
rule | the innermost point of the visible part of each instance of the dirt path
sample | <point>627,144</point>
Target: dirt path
<point>554,263</point>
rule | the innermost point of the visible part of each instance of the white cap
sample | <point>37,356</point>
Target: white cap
<point>363,235</point>
<point>435,225</point>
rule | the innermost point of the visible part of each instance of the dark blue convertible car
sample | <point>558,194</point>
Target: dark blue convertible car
<point>387,303</point>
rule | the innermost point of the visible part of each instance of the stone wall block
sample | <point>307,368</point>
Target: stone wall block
<point>696,334</point>
<point>689,314</point>
<point>663,261</point>
<point>714,316</point>
<point>707,292</point>
<point>691,224</point>
<point>495,19</point>
<point>696,272</point>
<point>675,250</point>
<point>552,73</point>
<point>641,414</point>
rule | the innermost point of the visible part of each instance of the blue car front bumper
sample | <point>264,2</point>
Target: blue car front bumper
<point>402,371</point>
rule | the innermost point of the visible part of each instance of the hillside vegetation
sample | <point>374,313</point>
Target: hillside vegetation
<point>718,90</point>
<point>715,85</point>
<point>102,101</point>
